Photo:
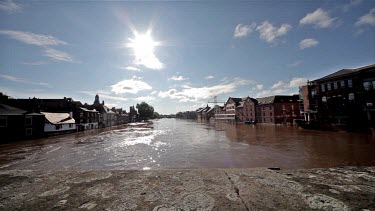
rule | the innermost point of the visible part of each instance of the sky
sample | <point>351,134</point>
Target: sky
<point>178,55</point>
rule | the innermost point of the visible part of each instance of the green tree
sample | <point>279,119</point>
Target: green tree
<point>145,111</point>
<point>156,115</point>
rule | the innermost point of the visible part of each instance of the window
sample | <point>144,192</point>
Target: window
<point>342,84</point>
<point>29,131</point>
<point>264,114</point>
<point>367,85</point>
<point>313,92</point>
<point>351,96</point>
<point>335,85</point>
<point>350,83</point>
<point>373,84</point>
<point>264,119</point>
<point>271,120</point>
<point>324,99</point>
<point>81,114</point>
<point>70,125</point>
<point>270,108</point>
<point>3,121</point>
<point>283,107</point>
<point>323,88</point>
<point>329,87</point>
<point>28,120</point>
<point>263,108</point>
<point>270,113</point>
<point>292,107</point>
<point>58,127</point>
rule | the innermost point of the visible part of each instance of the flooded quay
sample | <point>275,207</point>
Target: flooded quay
<point>182,144</point>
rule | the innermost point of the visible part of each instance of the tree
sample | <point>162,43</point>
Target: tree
<point>156,115</point>
<point>145,111</point>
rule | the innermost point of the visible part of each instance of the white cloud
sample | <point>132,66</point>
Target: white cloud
<point>243,30</point>
<point>295,64</point>
<point>33,39</point>
<point>178,78</point>
<point>132,86</point>
<point>131,68</point>
<point>23,80</point>
<point>351,4</point>
<point>145,98</point>
<point>194,94</point>
<point>58,55</point>
<point>269,33</point>
<point>104,95</point>
<point>297,82</point>
<point>259,86</point>
<point>282,87</point>
<point>154,92</point>
<point>10,6</point>
<point>209,77</point>
<point>308,43</point>
<point>278,84</point>
<point>319,18</point>
<point>367,19</point>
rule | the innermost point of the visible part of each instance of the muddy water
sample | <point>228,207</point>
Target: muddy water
<point>173,143</point>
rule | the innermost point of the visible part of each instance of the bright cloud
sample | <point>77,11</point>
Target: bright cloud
<point>308,43</point>
<point>278,84</point>
<point>23,80</point>
<point>269,33</point>
<point>10,6</point>
<point>58,55</point>
<point>131,68</point>
<point>319,18</point>
<point>259,86</point>
<point>178,78</point>
<point>194,94</point>
<point>367,19</point>
<point>242,30</point>
<point>33,39</point>
<point>144,46</point>
<point>145,98</point>
<point>297,82</point>
<point>132,86</point>
<point>209,77</point>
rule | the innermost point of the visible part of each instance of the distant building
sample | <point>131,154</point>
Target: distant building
<point>133,114</point>
<point>346,98</point>
<point>237,110</point>
<point>86,119</point>
<point>278,109</point>
<point>58,123</point>
<point>308,102</point>
<point>204,114</point>
<point>107,117</point>
<point>17,124</point>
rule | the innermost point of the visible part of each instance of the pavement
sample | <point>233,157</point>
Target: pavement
<point>345,188</point>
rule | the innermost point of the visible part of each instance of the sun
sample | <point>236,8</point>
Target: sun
<point>143,46</point>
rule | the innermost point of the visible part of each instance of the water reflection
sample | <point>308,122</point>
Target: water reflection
<point>170,143</point>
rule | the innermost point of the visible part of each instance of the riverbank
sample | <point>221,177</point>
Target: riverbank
<point>347,188</point>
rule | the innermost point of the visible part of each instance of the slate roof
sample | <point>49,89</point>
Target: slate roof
<point>9,110</point>
<point>88,110</point>
<point>344,72</point>
<point>277,99</point>
<point>59,118</point>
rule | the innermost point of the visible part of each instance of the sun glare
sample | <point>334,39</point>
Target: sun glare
<point>143,46</point>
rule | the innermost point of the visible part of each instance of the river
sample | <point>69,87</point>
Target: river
<point>174,143</point>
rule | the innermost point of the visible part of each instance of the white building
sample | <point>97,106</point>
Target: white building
<point>59,123</point>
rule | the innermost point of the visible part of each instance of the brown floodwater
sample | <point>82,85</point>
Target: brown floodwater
<point>174,143</point>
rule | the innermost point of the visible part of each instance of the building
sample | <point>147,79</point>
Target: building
<point>278,109</point>
<point>133,114</point>
<point>86,119</point>
<point>237,110</point>
<point>58,123</point>
<point>346,98</point>
<point>204,114</point>
<point>107,118</point>
<point>308,102</point>
<point>18,124</point>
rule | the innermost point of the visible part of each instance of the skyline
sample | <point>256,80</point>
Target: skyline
<point>178,55</point>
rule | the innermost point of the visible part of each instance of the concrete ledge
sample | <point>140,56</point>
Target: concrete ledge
<point>347,188</point>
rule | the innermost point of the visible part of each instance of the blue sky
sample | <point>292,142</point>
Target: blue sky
<point>178,55</point>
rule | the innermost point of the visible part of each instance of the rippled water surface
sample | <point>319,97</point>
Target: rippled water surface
<point>173,143</point>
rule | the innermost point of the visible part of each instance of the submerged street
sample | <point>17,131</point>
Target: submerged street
<point>174,143</point>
